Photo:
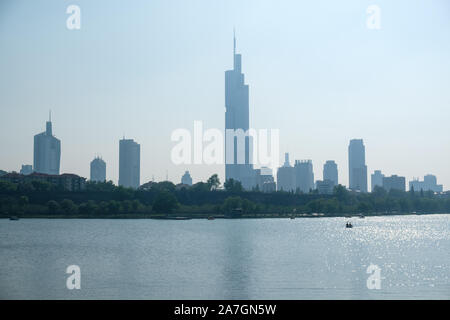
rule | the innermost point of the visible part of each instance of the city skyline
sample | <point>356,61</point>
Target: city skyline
<point>89,118</point>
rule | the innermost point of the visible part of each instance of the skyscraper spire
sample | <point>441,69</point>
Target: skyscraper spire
<point>234,41</point>
<point>48,128</point>
<point>234,48</point>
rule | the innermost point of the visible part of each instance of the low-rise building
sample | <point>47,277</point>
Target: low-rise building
<point>68,181</point>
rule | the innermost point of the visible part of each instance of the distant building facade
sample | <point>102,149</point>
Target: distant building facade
<point>304,176</point>
<point>264,179</point>
<point>394,182</point>
<point>325,186</point>
<point>429,183</point>
<point>98,170</point>
<point>376,179</point>
<point>26,169</point>
<point>47,152</point>
<point>357,165</point>
<point>186,179</point>
<point>129,163</point>
<point>330,171</point>
<point>66,181</point>
<point>286,176</point>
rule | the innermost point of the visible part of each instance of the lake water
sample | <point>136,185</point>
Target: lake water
<point>308,258</point>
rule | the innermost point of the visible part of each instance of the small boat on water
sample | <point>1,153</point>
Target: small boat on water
<point>348,225</point>
<point>361,216</point>
<point>211,218</point>
<point>14,218</point>
<point>292,217</point>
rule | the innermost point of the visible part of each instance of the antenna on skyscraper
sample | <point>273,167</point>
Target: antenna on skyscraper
<point>50,115</point>
<point>234,41</point>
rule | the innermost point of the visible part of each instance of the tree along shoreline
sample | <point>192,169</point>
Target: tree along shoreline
<point>202,216</point>
<point>204,199</point>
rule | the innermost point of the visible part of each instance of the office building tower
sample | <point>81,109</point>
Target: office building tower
<point>98,170</point>
<point>304,176</point>
<point>376,179</point>
<point>357,165</point>
<point>129,163</point>
<point>330,172</point>
<point>186,179</point>
<point>286,176</point>
<point>238,145</point>
<point>47,151</point>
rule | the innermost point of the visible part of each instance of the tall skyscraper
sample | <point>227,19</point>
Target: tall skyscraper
<point>357,168</point>
<point>238,146</point>
<point>330,172</point>
<point>304,176</point>
<point>376,179</point>
<point>98,170</point>
<point>129,163</point>
<point>47,151</point>
<point>286,176</point>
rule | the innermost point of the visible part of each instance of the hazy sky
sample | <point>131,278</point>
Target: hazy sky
<point>145,68</point>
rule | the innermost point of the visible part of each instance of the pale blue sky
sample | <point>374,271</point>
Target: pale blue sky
<point>145,68</point>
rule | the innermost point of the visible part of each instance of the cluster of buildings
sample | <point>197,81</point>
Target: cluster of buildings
<point>297,178</point>
<point>300,176</point>
<point>46,164</point>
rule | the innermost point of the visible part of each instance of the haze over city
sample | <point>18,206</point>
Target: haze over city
<point>314,71</point>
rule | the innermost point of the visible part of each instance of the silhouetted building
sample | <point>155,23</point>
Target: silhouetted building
<point>330,171</point>
<point>186,179</point>
<point>325,186</point>
<point>304,176</point>
<point>47,151</point>
<point>394,182</point>
<point>26,169</point>
<point>429,183</point>
<point>129,163</point>
<point>238,149</point>
<point>286,176</point>
<point>357,165</point>
<point>376,179</point>
<point>65,181</point>
<point>98,170</point>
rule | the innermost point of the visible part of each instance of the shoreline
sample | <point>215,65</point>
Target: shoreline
<point>200,216</point>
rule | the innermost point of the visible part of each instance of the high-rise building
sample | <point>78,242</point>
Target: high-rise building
<point>26,169</point>
<point>238,145</point>
<point>376,179</point>
<point>186,178</point>
<point>47,151</point>
<point>129,163</point>
<point>357,168</point>
<point>304,176</point>
<point>394,182</point>
<point>330,172</point>
<point>286,176</point>
<point>429,183</point>
<point>98,170</point>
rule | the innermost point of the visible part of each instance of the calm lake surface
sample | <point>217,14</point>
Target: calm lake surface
<point>307,258</point>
